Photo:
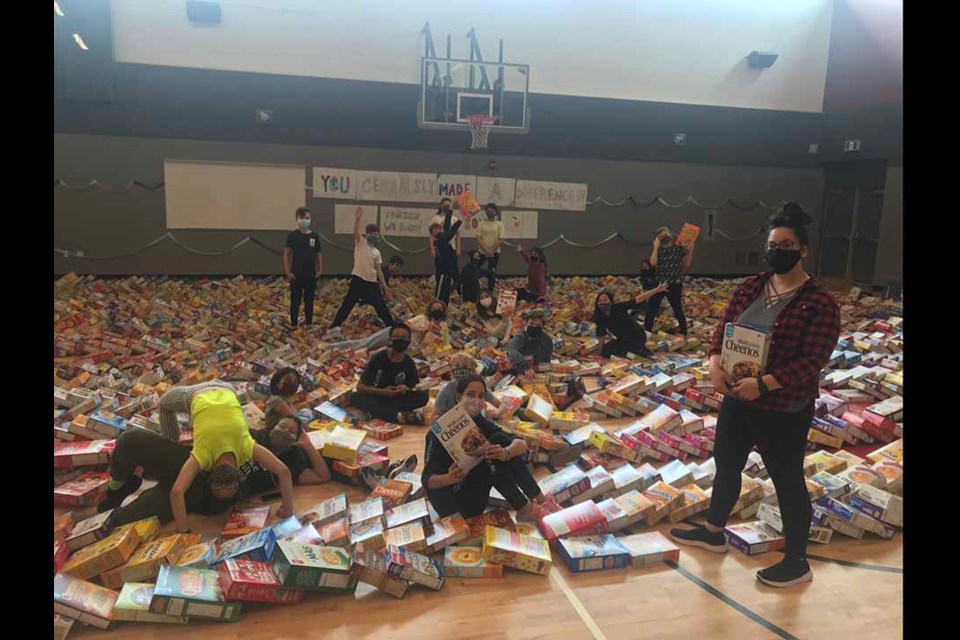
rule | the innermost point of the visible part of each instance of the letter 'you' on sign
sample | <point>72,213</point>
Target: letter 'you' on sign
<point>453,186</point>
<point>329,182</point>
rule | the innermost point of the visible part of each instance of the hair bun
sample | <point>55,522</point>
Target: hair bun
<point>795,214</point>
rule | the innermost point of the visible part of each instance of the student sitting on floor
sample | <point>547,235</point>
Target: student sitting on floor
<point>629,337</point>
<point>222,446</point>
<point>284,434</point>
<point>497,326</point>
<point>470,277</point>
<point>394,266</point>
<point>450,490</point>
<point>386,389</point>
<point>462,365</point>
<point>536,289</point>
<point>531,342</point>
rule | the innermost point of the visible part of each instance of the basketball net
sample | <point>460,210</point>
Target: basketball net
<point>479,130</point>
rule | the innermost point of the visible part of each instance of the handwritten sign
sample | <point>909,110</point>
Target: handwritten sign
<point>499,191</point>
<point>556,196</point>
<point>344,215</point>
<point>405,221</point>
<point>417,187</point>
<point>377,185</point>
<point>520,224</point>
<point>330,182</point>
<point>453,186</point>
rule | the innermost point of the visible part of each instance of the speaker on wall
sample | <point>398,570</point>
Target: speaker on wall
<point>201,12</point>
<point>761,59</point>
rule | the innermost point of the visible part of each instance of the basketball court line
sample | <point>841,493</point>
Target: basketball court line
<point>574,601</point>
<point>857,565</point>
<point>763,622</point>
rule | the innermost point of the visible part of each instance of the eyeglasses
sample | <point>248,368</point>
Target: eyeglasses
<point>786,245</point>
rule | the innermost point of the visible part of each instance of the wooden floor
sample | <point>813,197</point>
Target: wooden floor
<point>858,585</point>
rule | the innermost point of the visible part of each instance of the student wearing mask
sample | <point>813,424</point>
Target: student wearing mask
<point>451,490</point>
<point>367,276</point>
<point>222,447</point>
<point>670,260</point>
<point>611,317</point>
<point>498,326</point>
<point>648,275</point>
<point>490,233</point>
<point>387,387</point>
<point>446,207</point>
<point>536,289</point>
<point>302,263</point>
<point>394,266</point>
<point>462,365</point>
<point>470,277</point>
<point>773,411</point>
<point>533,342</point>
<point>446,257</point>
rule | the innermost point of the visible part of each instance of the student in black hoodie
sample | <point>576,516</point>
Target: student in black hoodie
<point>470,277</point>
<point>615,318</point>
<point>648,275</point>
<point>446,260</point>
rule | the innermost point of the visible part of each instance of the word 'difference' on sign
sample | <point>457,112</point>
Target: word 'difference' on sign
<point>557,196</point>
<point>335,183</point>
<point>405,221</point>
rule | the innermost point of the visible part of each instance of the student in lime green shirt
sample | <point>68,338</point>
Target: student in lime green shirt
<point>223,447</point>
<point>490,236</point>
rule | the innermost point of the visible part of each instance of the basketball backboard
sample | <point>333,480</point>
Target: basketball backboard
<point>452,90</point>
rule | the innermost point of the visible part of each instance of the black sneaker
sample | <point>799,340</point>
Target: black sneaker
<point>414,417</point>
<point>115,497</point>
<point>369,478</point>
<point>400,466</point>
<point>786,573</point>
<point>699,536</point>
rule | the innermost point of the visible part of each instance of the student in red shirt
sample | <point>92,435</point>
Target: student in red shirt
<point>772,411</point>
<point>536,289</point>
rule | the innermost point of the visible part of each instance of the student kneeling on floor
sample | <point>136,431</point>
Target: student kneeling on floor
<point>450,490</point>
<point>386,389</point>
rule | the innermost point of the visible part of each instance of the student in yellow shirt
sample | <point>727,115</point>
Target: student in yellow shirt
<point>222,447</point>
<point>490,236</point>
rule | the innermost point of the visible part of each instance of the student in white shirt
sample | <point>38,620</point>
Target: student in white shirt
<point>367,283</point>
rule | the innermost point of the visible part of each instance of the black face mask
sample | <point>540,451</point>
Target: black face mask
<point>604,308</point>
<point>534,259</point>
<point>399,345</point>
<point>534,332</point>
<point>475,259</point>
<point>781,260</point>
<point>436,314</point>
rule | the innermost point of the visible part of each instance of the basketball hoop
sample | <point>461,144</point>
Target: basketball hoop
<point>479,129</point>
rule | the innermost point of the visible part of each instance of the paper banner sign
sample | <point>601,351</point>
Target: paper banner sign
<point>405,221</point>
<point>556,196</point>
<point>344,215</point>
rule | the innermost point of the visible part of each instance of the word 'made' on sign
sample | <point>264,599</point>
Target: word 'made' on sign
<point>453,186</point>
<point>405,221</point>
<point>557,196</point>
<point>329,182</point>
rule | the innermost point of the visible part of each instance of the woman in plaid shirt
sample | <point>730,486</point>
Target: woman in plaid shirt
<point>772,412</point>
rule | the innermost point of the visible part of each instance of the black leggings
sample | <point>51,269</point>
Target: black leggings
<point>302,287</point>
<point>511,477</point>
<point>621,348</point>
<point>674,296</point>
<point>492,262</point>
<point>529,296</point>
<point>362,291</point>
<point>386,408</point>
<point>161,460</point>
<point>781,439</point>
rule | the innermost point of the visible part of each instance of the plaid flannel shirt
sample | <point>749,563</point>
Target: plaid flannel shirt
<point>804,336</point>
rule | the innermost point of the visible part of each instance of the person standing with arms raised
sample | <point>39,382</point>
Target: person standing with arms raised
<point>366,282</point>
<point>671,260</point>
<point>302,264</point>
